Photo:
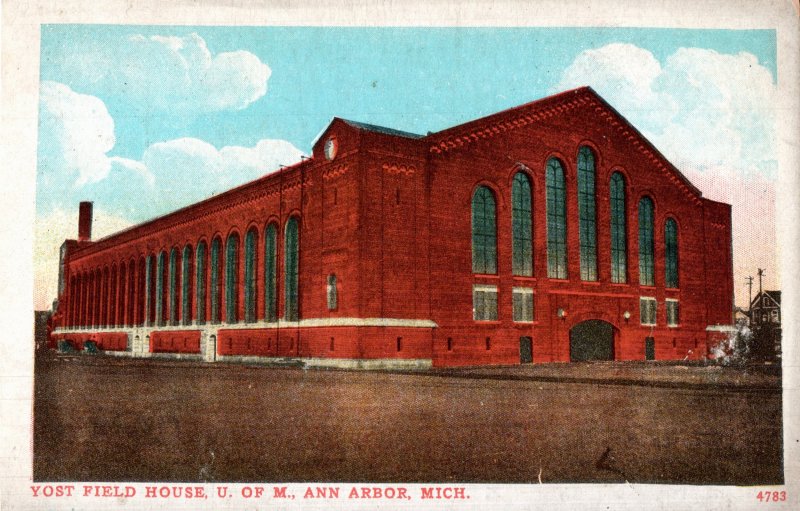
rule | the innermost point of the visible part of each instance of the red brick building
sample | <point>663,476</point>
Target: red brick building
<point>548,232</point>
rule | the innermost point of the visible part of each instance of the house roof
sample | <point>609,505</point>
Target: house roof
<point>774,295</point>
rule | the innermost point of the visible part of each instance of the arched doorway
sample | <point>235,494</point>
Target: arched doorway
<point>591,340</point>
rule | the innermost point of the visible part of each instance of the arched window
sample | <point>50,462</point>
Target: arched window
<point>619,240</point>
<point>216,278</point>
<point>141,287</point>
<point>160,295</point>
<point>521,220</point>
<point>232,279</point>
<point>130,319</point>
<point>484,232</point>
<point>104,298</point>
<point>587,214</point>
<point>122,293</point>
<point>250,262</point>
<point>291,254</point>
<point>646,243</point>
<point>186,282</point>
<point>200,283</point>
<point>671,256</point>
<point>98,297</point>
<point>556,221</point>
<point>271,273</point>
<point>173,286</point>
<point>111,314</point>
<point>152,278</point>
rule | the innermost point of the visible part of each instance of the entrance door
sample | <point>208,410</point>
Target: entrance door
<point>591,340</point>
<point>525,350</point>
<point>649,348</point>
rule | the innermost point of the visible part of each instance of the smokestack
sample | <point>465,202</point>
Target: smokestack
<point>85,221</point>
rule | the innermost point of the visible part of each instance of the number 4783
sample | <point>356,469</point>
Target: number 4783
<point>771,496</point>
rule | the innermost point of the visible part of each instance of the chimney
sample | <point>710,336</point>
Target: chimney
<point>85,221</point>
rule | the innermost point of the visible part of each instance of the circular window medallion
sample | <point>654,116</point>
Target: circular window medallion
<point>330,148</point>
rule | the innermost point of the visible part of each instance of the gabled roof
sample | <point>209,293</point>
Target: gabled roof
<point>775,296</point>
<point>542,109</point>
<point>380,129</point>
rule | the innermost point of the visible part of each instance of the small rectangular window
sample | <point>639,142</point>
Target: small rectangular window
<point>522,304</point>
<point>449,344</point>
<point>673,313</point>
<point>488,343</point>
<point>331,292</point>
<point>484,303</point>
<point>332,344</point>
<point>647,311</point>
<point>399,343</point>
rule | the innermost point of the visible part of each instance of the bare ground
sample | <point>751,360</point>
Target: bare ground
<point>105,419</point>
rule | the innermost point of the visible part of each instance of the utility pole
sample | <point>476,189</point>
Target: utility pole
<point>761,273</point>
<point>749,280</point>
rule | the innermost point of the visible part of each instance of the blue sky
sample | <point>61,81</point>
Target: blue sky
<point>132,116</point>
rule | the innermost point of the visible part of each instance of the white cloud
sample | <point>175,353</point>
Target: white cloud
<point>711,114</point>
<point>701,108</point>
<point>50,231</point>
<point>168,73</point>
<point>75,133</point>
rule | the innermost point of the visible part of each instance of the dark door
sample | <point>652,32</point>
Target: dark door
<point>649,348</point>
<point>591,340</point>
<point>525,350</point>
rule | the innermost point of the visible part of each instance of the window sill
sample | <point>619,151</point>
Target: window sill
<point>487,321</point>
<point>648,325</point>
<point>486,275</point>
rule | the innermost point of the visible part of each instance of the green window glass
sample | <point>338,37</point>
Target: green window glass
<point>250,242</point>
<point>216,277</point>
<point>556,221</point>
<point>671,256</point>
<point>646,243</point>
<point>159,301</point>
<point>271,273</point>
<point>200,283</point>
<point>484,232</point>
<point>173,302</point>
<point>522,226</point>
<point>291,273</point>
<point>186,283</point>
<point>619,242</point>
<point>232,279</point>
<point>587,214</point>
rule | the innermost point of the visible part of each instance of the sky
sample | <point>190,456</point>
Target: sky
<point>131,117</point>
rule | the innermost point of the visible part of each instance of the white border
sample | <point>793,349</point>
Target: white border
<point>20,56</point>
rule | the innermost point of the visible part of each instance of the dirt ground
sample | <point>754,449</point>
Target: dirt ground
<point>105,419</point>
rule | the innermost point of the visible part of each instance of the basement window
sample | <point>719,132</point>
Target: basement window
<point>484,303</point>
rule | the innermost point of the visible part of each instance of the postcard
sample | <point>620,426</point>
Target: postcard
<point>416,256</point>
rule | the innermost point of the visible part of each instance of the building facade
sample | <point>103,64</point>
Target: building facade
<point>549,232</point>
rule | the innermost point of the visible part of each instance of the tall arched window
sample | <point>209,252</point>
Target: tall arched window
<point>131,318</point>
<point>646,242</point>
<point>216,278</point>
<point>291,254</point>
<point>141,291</point>
<point>671,256</point>
<point>151,304</point>
<point>619,241</point>
<point>522,222</point>
<point>232,279</point>
<point>556,221</point>
<point>250,262</point>
<point>160,295</point>
<point>122,307</point>
<point>587,213</point>
<point>111,316</point>
<point>484,232</point>
<point>104,298</point>
<point>200,283</point>
<point>271,273</point>
<point>186,282</point>
<point>173,286</point>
